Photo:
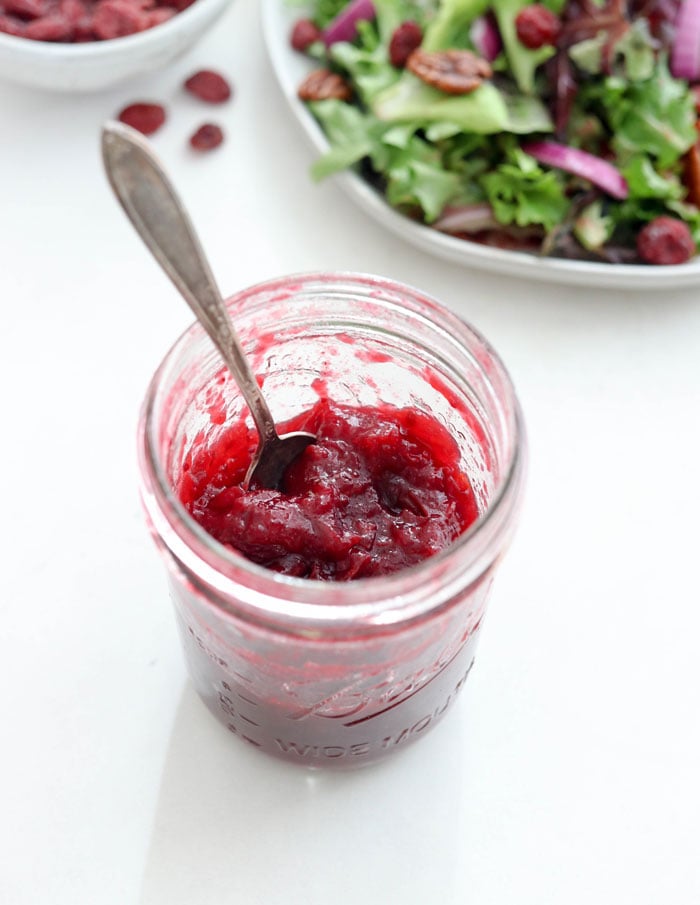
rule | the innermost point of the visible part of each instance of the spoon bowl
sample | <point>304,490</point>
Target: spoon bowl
<point>159,217</point>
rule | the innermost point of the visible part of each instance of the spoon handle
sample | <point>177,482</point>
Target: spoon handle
<point>154,208</point>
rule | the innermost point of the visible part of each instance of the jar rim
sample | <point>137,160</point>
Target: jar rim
<point>242,588</point>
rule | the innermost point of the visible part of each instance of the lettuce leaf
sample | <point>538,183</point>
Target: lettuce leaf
<point>326,10</point>
<point>633,55</point>
<point>369,67</point>
<point>655,116</point>
<point>413,169</point>
<point>484,112</point>
<point>450,27</point>
<point>425,183</point>
<point>521,192</point>
<point>351,133</point>
<point>645,182</point>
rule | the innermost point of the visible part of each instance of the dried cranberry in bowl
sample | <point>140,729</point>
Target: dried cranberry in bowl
<point>81,21</point>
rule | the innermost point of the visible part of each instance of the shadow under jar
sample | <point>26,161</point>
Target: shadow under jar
<point>318,672</point>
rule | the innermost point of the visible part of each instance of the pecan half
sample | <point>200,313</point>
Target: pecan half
<point>322,84</point>
<point>452,71</point>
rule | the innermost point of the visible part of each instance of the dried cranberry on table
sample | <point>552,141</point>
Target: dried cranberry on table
<point>207,137</point>
<point>146,118</point>
<point>406,38</point>
<point>208,86</point>
<point>536,26</point>
<point>664,241</point>
<point>304,34</point>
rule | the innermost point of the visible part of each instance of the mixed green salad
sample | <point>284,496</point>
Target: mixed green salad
<point>580,142</point>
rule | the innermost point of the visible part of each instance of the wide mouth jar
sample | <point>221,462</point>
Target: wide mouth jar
<point>359,340</point>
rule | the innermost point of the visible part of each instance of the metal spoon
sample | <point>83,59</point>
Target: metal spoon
<point>159,216</point>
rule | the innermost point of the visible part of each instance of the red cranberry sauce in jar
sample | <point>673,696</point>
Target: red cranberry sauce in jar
<point>380,490</point>
<point>334,621</point>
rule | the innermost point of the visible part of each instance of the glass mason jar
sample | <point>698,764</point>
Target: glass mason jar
<point>333,673</point>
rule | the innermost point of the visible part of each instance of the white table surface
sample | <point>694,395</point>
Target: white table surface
<point>569,770</point>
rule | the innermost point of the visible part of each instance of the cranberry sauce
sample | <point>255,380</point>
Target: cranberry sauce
<point>379,491</point>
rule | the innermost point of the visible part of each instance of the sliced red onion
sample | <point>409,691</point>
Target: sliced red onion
<point>580,163</point>
<point>466,218</point>
<point>486,38</point>
<point>344,26</point>
<point>685,51</point>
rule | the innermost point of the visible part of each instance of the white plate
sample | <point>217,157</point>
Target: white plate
<point>290,68</point>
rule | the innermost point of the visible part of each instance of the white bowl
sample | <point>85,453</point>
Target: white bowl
<point>101,64</point>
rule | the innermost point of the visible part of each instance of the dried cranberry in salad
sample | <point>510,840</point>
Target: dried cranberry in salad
<point>576,134</point>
